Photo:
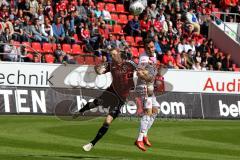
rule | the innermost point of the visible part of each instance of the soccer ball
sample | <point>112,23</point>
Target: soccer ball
<point>136,8</point>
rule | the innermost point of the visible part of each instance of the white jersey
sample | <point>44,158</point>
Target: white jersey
<point>144,88</point>
<point>146,61</point>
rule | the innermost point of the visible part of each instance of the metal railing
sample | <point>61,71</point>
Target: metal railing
<point>18,50</point>
<point>225,26</point>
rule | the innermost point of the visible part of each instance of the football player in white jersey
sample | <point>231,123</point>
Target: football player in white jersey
<point>147,72</point>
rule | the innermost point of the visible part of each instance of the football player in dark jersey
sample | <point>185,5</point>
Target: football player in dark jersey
<point>122,83</point>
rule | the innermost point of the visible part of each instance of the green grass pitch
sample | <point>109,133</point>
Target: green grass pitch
<point>48,138</point>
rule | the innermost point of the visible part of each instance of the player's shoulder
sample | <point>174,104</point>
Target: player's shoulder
<point>143,58</point>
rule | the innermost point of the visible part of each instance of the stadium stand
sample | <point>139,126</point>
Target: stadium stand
<point>181,27</point>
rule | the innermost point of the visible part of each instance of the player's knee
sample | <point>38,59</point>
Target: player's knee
<point>108,120</point>
<point>148,111</point>
<point>154,110</point>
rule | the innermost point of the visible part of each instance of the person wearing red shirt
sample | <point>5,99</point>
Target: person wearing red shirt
<point>62,5</point>
<point>157,24</point>
<point>145,24</point>
<point>169,60</point>
<point>103,30</point>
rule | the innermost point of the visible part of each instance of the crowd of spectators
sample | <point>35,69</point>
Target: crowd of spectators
<point>178,27</point>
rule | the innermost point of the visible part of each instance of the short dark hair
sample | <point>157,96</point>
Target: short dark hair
<point>147,41</point>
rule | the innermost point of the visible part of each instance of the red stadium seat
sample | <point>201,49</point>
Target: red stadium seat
<point>76,49</point>
<point>109,27</point>
<point>120,8</point>
<point>67,48</point>
<point>47,48</point>
<point>135,52</point>
<point>54,46</point>
<point>110,7</point>
<point>112,1</point>
<point>28,46</point>
<point>123,19</point>
<point>89,60</point>
<point>141,50</point>
<point>49,58</point>
<point>37,47</point>
<point>101,5</point>
<point>16,44</point>
<point>114,17</point>
<point>117,29</point>
<point>130,17</point>
<point>98,60</point>
<point>80,59</point>
<point>130,40</point>
<point>139,40</point>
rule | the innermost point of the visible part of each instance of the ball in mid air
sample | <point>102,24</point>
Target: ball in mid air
<point>136,8</point>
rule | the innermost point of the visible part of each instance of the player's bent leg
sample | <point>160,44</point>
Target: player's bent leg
<point>90,105</point>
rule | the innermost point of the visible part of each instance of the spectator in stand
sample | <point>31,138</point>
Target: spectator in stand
<point>85,35</point>
<point>229,4</point>
<point>196,66</point>
<point>236,9</point>
<point>111,43</point>
<point>103,30</point>
<point>219,66</point>
<point>33,7</point>
<point>157,47</point>
<point>61,5</point>
<point>203,47</point>
<point>36,31</point>
<point>62,57</point>
<point>208,59</point>
<point>157,24</point>
<point>48,7</point>
<point>193,21</point>
<point>181,61</point>
<point>58,31</point>
<point>145,24</point>
<point>97,12</point>
<point>122,43</point>
<point>227,63</point>
<point>134,27</point>
<point>41,15</point>
<point>20,16</point>
<point>153,11</point>
<point>47,30</point>
<point>198,58</point>
<point>6,36</point>
<point>27,30</point>
<point>168,60</point>
<point>69,31</point>
<point>18,32</point>
<point>182,45</point>
<point>107,16</point>
<point>81,11</point>
<point>11,52</point>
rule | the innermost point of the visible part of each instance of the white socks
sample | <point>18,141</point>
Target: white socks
<point>150,123</point>
<point>145,120</point>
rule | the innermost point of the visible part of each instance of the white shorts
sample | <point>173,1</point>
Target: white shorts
<point>150,102</point>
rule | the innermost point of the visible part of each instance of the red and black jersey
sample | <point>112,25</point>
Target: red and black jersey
<point>122,78</point>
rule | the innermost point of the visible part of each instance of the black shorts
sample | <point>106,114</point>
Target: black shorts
<point>115,102</point>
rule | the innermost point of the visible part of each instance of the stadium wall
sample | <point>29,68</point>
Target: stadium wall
<point>223,41</point>
<point>202,95</point>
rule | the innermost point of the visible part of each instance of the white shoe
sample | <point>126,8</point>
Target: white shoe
<point>88,147</point>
